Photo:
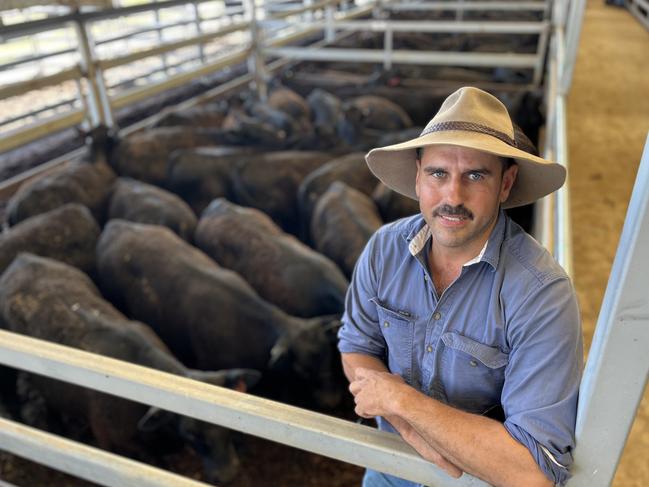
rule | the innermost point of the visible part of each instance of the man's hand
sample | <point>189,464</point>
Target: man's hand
<point>373,390</point>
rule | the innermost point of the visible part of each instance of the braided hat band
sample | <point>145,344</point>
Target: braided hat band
<point>469,127</point>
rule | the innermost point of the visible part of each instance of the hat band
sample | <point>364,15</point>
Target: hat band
<point>469,127</point>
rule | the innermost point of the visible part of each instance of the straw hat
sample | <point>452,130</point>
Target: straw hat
<point>475,119</point>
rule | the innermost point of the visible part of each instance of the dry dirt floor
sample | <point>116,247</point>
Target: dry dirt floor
<point>608,121</point>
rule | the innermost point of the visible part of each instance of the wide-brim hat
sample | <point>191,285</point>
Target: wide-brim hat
<point>474,119</point>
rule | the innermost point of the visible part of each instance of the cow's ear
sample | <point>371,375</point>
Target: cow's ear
<point>153,419</point>
<point>280,353</point>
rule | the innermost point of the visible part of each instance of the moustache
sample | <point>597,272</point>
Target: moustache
<point>448,210</point>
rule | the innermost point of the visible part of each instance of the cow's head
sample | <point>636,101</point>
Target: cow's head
<point>309,352</point>
<point>213,443</point>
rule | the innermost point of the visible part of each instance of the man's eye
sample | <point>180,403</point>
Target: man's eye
<point>475,176</point>
<point>438,174</point>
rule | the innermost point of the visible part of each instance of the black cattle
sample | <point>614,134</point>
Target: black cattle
<point>68,234</point>
<point>343,221</point>
<point>79,182</point>
<point>209,316</point>
<point>143,203</point>
<point>270,182</point>
<point>350,169</point>
<point>143,155</point>
<point>52,301</point>
<point>279,267</point>
<point>393,205</point>
<point>200,175</point>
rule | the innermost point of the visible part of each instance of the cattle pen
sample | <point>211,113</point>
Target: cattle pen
<point>259,39</point>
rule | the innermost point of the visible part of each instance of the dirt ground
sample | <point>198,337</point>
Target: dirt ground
<point>608,120</point>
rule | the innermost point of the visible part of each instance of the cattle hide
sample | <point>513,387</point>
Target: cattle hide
<point>209,316</point>
<point>393,205</point>
<point>200,175</point>
<point>350,169</point>
<point>343,221</point>
<point>79,182</point>
<point>143,155</point>
<point>279,267</point>
<point>143,203</point>
<point>51,301</point>
<point>270,183</point>
<point>68,234</point>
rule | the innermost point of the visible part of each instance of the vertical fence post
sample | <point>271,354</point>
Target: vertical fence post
<point>330,33</point>
<point>387,49</point>
<point>163,57</point>
<point>618,363</point>
<point>574,22</point>
<point>199,30</point>
<point>541,51</point>
<point>98,102</point>
<point>256,59</point>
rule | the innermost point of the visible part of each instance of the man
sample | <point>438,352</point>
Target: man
<point>457,312</point>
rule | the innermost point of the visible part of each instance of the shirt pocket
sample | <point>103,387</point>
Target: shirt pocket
<point>398,329</point>
<point>472,373</point>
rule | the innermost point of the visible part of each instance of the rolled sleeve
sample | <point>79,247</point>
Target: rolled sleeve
<point>542,377</point>
<point>359,332</point>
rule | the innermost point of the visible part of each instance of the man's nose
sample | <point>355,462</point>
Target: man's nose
<point>455,192</point>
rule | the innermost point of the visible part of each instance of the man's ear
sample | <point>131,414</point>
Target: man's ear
<point>418,165</point>
<point>509,177</point>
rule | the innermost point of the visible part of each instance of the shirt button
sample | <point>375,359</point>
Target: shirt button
<point>386,324</point>
<point>425,278</point>
<point>429,348</point>
<point>473,363</point>
<point>437,315</point>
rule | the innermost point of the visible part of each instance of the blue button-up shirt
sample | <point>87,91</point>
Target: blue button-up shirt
<point>505,333</point>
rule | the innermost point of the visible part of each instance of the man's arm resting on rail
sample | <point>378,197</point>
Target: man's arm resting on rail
<point>355,361</point>
<point>476,444</point>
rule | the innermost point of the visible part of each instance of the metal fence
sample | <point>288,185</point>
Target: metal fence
<point>621,347</point>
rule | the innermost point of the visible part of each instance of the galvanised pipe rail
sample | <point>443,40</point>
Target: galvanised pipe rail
<point>436,26</point>
<point>481,6</point>
<point>35,26</point>
<point>315,432</point>
<point>407,57</point>
<point>84,461</point>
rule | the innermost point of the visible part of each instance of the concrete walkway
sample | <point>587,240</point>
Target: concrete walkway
<point>608,121</point>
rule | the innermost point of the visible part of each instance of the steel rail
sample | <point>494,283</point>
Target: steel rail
<point>22,87</point>
<point>174,81</point>
<point>299,428</point>
<point>41,129</point>
<point>51,23</point>
<point>308,8</point>
<point>171,46</point>
<point>407,57</point>
<point>135,33</point>
<point>488,6</point>
<point>435,26</point>
<point>67,101</point>
<point>84,461</point>
<point>29,59</point>
<point>640,10</point>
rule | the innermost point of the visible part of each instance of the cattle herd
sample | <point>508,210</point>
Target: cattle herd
<point>216,245</point>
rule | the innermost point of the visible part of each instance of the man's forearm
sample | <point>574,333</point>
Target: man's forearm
<point>477,445</point>
<point>352,361</point>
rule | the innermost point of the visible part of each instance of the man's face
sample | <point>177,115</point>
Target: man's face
<point>460,191</point>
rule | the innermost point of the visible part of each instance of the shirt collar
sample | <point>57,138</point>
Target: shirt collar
<point>490,253</point>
